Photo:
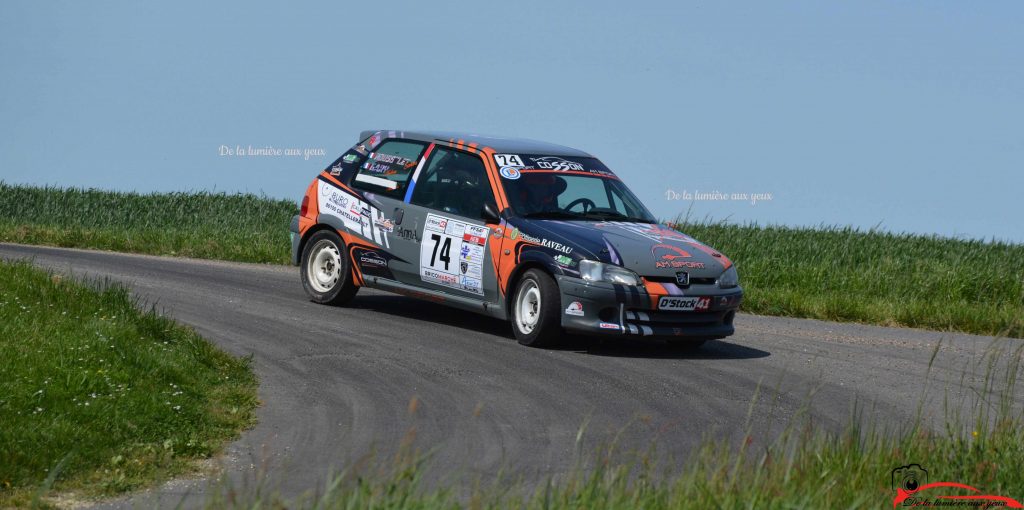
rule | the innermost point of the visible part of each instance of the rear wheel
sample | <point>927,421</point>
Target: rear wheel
<point>536,318</point>
<point>326,271</point>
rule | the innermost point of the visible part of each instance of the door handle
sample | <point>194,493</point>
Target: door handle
<point>399,213</point>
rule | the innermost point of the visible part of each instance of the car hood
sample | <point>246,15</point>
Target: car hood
<point>649,249</point>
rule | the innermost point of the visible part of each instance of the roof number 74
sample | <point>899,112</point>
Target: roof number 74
<point>508,160</point>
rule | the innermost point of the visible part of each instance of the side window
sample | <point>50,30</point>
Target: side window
<point>388,169</point>
<point>454,182</point>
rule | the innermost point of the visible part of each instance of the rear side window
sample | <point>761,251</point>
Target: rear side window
<point>388,169</point>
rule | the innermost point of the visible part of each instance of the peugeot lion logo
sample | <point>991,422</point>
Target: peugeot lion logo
<point>683,278</point>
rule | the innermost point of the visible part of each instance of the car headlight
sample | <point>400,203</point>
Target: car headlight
<point>595,271</point>
<point>729,279</point>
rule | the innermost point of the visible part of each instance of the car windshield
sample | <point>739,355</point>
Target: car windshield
<point>561,187</point>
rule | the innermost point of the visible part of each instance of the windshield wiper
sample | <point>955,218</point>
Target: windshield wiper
<point>553,214</point>
<point>607,215</point>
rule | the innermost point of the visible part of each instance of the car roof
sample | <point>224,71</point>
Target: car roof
<point>499,144</point>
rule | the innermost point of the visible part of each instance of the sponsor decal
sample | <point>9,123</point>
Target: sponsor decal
<point>385,224</point>
<point>408,234</point>
<point>609,325</point>
<point>354,218</point>
<point>349,158</point>
<point>357,216</point>
<point>336,170</point>
<point>669,256</point>
<point>576,308</point>
<point>498,232</point>
<point>564,261</point>
<point>452,252</point>
<point>510,172</point>
<point>684,304</point>
<point>390,159</point>
<point>547,243</point>
<point>374,140</point>
<point>440,277</point>
<point>436,223</point>
<point>470,284</point>
<point>602,173</point>
<point>379,168</point>
<point>373,259</point>
<point>508,160</point>
<point>910,482</point>
<point>475,234</point>
<point>556,163</point>
<point>556,246</point>
<point>337,198</point>
<point>528,238</point>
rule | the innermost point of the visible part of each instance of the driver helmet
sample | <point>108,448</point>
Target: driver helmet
<point>540,191</point>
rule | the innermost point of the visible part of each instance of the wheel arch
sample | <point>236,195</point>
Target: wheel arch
<point>316,227</point>
<point>550,268</point>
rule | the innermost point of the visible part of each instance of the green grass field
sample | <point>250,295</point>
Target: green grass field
<point>844,274</point>
<point>244,228</point>
<point>97,397</point>
<point>804,468</point>
<point>827,273</point>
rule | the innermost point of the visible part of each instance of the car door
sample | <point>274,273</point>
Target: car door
<point>449,236</point>
<point>384,179</point>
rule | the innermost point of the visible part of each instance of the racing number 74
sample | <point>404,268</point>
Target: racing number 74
<point>446,249</point>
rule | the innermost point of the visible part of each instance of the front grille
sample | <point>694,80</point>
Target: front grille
<point>672,279</point>
<point>714,324</point>
<point>671,319</point>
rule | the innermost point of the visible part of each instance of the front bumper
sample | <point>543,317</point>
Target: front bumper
<point>613,309</point>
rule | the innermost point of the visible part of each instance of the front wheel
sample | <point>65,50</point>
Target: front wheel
<point>326,271</point>
<point>536,318</point>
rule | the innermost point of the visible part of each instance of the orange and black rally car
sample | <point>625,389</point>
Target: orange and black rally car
<point>540,234</point>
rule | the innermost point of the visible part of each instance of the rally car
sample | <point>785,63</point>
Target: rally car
<point>540,234</point>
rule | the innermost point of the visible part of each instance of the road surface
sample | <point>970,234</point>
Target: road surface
<point>337,383</point>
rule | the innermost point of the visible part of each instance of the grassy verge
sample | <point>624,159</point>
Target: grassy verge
<point>98,398</point>
<point>828,273</point>
<point>244,228</point>
<point>804,468</point>
<point>844,274</point>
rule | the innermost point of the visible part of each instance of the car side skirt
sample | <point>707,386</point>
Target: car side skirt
<point>495,310</point>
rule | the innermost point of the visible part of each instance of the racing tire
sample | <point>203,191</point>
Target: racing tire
<point>536,310</point>
<point>326,270</point>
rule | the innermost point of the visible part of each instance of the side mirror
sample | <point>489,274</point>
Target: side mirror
<point>489,215</point>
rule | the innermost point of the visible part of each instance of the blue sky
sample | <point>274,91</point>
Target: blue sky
<point>906,115</point>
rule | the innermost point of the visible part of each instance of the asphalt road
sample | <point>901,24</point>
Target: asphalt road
<point>337,383</point>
